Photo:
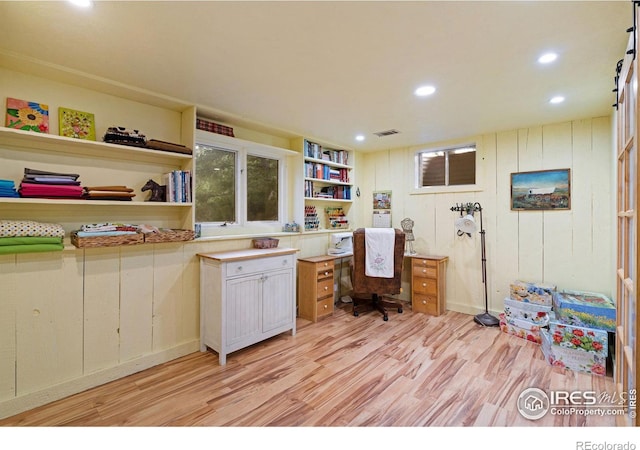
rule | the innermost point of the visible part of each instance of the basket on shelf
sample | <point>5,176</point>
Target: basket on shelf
<point>106,241</point>
<point>265,243</point>
<point>169,235</point>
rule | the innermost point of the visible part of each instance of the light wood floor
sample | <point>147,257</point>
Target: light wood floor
<point>414,370</point>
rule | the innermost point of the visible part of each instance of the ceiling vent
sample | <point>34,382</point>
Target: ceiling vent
<point>386,133</point>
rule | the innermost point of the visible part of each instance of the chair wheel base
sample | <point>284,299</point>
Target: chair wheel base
<point>385,318</point>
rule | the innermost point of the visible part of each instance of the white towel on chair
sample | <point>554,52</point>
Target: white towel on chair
<point>378,252</point>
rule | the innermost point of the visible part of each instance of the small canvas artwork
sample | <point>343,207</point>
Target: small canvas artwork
<point>28,116</point>
<point>77,124</point>
<point>541,190</point>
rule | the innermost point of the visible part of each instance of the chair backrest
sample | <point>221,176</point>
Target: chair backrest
<point>363,284</point>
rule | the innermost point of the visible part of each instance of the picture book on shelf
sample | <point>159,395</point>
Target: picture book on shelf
<point>28,116</point>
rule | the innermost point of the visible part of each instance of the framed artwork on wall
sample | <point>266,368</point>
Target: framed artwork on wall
<point>77,124</point>
<point>28,116</point>
<point>541,190</point>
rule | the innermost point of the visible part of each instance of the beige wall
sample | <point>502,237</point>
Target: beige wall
<point>571,249</point>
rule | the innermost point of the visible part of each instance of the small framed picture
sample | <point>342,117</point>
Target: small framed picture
<point>28,116</point>
<point>77,124</point>
<point>541,190</point>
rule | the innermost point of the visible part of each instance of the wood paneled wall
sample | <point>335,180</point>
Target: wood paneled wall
<point>78,318</point>
<point>568,248</point>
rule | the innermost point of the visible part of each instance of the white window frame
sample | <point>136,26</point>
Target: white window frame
<point>417,189</point>
<point>242,149</point>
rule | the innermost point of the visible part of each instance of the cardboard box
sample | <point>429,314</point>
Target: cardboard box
<point>586,309</point>
<point>579,338</point>
<point>540,294</point>
<point>537,314</point>
<point>576,360</point>
<point>529,332</point>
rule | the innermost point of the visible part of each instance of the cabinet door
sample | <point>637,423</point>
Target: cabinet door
<point>277,301</point>
<point>242,311</point>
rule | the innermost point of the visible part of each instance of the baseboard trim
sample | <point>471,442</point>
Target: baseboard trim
<point>32,400</point>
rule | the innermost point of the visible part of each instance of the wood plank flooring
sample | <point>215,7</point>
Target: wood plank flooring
<point>415,370</point>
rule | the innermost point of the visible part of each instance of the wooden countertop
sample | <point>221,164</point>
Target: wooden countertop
<point>250,253</point>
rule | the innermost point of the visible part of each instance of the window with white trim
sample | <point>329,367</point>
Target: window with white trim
<point>455,166</point>
<point>238,187</point>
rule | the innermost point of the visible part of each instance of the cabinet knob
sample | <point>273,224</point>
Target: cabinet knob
<point>424,302</point>
<point>285,262</point>
<point>424,284</point>
<point>326,273</point>
<point>326,264</point>
<point>326,306</point>
<point>326,288</point>
<point>424,270</point>
<point>239,268</point>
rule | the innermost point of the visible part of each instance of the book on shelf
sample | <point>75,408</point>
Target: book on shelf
<point>179,189</point>
<point>316,151</point>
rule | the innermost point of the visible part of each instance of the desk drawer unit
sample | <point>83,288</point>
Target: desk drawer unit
<point>316,287</point>
<point>428,284</point>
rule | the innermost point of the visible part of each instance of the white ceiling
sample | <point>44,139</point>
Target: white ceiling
<point>331,70</point>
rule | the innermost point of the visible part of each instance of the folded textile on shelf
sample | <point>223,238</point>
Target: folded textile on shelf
<point>8,189</point>
<point>108,226</point>
<point>121,193</point>
<point>34,248</point>
<point>49,190</point>
<point>12,228</point>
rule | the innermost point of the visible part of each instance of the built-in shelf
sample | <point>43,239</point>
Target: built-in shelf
<point>51,143</point>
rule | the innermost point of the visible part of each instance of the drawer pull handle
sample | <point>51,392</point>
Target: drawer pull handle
<point>326,306</point>
<point>326,264</point>
<point>424,270</point>
<point>284,263</point>
<point>239,268</point>
<point>424,302</point>
<point>326,273</point>
<point>326,288</point>
<point>424,284</point>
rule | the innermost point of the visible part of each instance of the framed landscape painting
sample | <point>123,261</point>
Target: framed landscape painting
<point>28,116</point>
<point>77,124</point>
<point>541,190</point>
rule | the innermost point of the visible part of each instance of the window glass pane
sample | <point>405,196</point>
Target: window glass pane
<point>262,188</point>
<point>215,184</point>
<point>432,168</point>
<point>462,166</point>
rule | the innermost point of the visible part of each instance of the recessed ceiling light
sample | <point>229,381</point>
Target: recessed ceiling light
<point>547,58</point>
<point>556,99</point>
<point>82,3</point>
<point>359,137</point>
<point>423,91</point>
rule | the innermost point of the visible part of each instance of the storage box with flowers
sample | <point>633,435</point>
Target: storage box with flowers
<point>586,309</point>
<point>576,359</point>
<point>532,312</point>
<point>538,293</point>
<point>520,328</point>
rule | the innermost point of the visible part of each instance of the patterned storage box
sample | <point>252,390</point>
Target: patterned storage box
<point>579,338</point>
<point>540,294</point>
<point>573,359</point>
<point>537,314</point>
<point>586,309</point>
<point>518,328</point>
<point>212,127</point>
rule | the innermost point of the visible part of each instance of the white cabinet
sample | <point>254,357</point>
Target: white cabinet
<point>246,296</point>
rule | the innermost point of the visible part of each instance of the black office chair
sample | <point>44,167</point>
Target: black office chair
<point>373,291</point>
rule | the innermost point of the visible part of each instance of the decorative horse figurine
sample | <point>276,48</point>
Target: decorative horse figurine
<point>158,192</point>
